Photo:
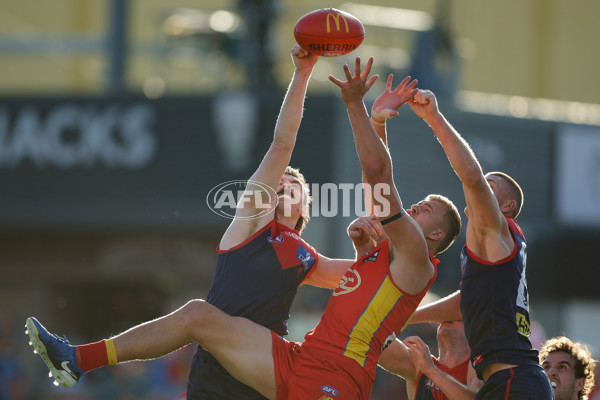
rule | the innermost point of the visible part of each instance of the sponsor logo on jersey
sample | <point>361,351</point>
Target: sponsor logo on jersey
<point>463,262</point>
<point>522,293</point>
<point>281,237</point>
<point>373,257</point>
<point>349,282</point>
<point>330,390</point>
<point>292,234</point>
<point>276,239</point>
<point>477,360</point>
<point>523,326</point>
<point>431,385</point>
<point>305,257</point>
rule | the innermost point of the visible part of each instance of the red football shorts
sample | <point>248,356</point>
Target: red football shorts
<point>307,373</point>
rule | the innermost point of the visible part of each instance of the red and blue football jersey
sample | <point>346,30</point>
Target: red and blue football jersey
<point>427,389</point>
<point>495,306</point>
<point>258,280</point>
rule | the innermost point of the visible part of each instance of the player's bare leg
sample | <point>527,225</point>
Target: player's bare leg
<point>241,346</point>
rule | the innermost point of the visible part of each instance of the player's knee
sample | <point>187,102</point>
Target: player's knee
<point>201,321</point>
<point>197,313</point>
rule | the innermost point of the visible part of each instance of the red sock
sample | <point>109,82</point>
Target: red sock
<point>91,356</point>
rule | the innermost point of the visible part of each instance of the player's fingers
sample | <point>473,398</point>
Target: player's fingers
<point>388,84</point>
<point>402,84</point>
<point>409,340</point>
<point>411,95</point>
<point>353,233</point>
<point>358,224</point>
<point>357,67</point>
<point>412,84</point>
<point>407,87</point>
<point>426,96</point>
<point>356,229</point>
<point>298,51</point>
<point>367,70</point>
<point>371,81</point>
<point>368,228</point>
<point>335,80</point>
<point>347,72</point>
<point>376,224</point>
<point>415,341</point>
<point>421,97</point>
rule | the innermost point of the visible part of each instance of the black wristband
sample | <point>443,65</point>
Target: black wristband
<point>393,218</point>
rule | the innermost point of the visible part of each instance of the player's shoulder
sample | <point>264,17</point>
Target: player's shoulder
<point>240,232</point>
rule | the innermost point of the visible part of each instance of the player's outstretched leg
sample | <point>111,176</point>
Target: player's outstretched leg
<point>56,352</point>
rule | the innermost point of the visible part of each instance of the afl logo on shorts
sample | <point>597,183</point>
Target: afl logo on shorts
<point>329,390</point>
<point>350,282</point>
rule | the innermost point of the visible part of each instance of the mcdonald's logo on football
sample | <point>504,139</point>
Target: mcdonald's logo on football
<point>336,18</point>
<point>329,32</point>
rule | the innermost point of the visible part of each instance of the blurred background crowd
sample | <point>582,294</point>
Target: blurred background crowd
<point>117,117</point>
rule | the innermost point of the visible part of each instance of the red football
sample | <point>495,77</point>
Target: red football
<point>329,32</point>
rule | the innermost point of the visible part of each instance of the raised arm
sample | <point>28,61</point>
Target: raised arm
<point>277,158</point>
<point>409,261</point>
<point>279,154</point>
<point>487,231</point>
<point>385,107</point>
<point>387,104</point>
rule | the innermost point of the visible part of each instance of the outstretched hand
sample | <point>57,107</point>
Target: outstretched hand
<point>419,353</point>
<point>356,85</point>
<point>390,101</point>
<point>424,104</point>
<point>303,59</point>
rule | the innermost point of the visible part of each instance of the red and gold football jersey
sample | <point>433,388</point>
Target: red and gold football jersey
<point>366,312</point>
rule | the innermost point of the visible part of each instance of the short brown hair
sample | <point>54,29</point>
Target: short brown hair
<point>306,198</point>
<point>452,222</point>
<point>514,190</point>
<point>584,363</point>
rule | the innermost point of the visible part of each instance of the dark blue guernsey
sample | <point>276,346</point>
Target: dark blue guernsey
<point>495,307</point>
<point>257,280</point>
